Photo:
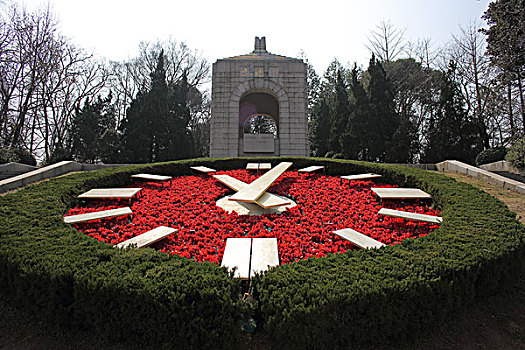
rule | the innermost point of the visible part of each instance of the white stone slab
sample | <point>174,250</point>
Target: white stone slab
<point>231,182</point>
<point>147,238</point>
<point>151,177</point>
<point>237,255</point>
<point>411,216</point>
<point>266,200</point>
<point>252,166</point>
<point>264,255</point>
<point>265,166</point>
<point>110,193</point>
<point>103,214</point>
<point>203,169</point>
<point>358,239</point>
<point>400,193</point>
<point>361,176</point>
<point>253,191</point>
<point>311,169</point>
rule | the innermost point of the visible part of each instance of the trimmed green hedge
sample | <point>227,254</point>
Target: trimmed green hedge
<point>342,300</point>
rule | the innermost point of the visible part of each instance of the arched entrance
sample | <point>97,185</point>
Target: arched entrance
<point>259,123</point>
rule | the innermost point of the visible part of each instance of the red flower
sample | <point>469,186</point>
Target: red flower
<point>324,204</point>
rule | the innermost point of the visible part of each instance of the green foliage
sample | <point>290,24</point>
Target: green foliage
<point>491,155</point>
<point>383,118</point>
<point>339,113</point>
<point>93,134</point>
<point>375,297</point>
<point>156,124</point>
<point>356,298</point>
<point>16,155</point>
<point>320,130</point>
<point>357,132</point>
<point>450,134</point>
<point>505,38</point>
<point>141,296</point>
<point>516,153</point>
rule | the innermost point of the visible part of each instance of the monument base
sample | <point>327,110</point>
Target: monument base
<point>242,208</point>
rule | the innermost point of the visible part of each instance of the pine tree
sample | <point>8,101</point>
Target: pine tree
<point>354,141</point>
<point>156,124</point>
<point>506,42</point>
<point>320,130</point>
<point>340,114</point>
<point>383,118</point>
<point>90,130</point>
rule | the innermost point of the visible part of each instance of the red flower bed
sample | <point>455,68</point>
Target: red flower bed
<point>324,204</point>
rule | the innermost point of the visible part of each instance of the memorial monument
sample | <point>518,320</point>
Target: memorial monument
<point>259,105</point>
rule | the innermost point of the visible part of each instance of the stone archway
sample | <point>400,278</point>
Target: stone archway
<point>258,123</point>
<point>259,83</point>
<point>260,97</point>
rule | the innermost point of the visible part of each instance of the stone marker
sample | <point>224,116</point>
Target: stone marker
<point>361,176</point>
<point>264,255</point>
<point>358,239</point>
<point>253,191</point>
<point>151,177</point>
<point>400,193</point>
<point>110,193</point>
<point>252,166</point>
<point>411,216</point>
<point>103,214</point>
<point>311,169</point>
<point>148,237</point>
<point>203,169</point>
<point>265,166</point>
<point>266,200</point>
<point>237,255</point>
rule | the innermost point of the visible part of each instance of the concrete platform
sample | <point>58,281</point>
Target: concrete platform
<point>472,171</point>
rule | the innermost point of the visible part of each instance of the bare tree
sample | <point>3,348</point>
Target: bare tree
<point>386,42</point>
<point>423,51</point>
<point>475,76</point>
<point>43,79</point>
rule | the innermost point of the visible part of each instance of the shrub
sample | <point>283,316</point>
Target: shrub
<point>338,156</point>
<point>350,299</point>
<point>516,153</point>
<point>17,155</point>
<point>491,155</point>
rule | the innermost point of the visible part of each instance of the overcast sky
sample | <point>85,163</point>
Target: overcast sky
<point>324,30</point>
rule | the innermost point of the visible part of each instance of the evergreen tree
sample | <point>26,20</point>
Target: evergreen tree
<point>354,141</point>
<point>156,124</point>
<point>91,128</point>
<point>339,115</point>
<point>383,119</point>
<point>450,134</point>
<point>320,130</point>
<point>506,42</point>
